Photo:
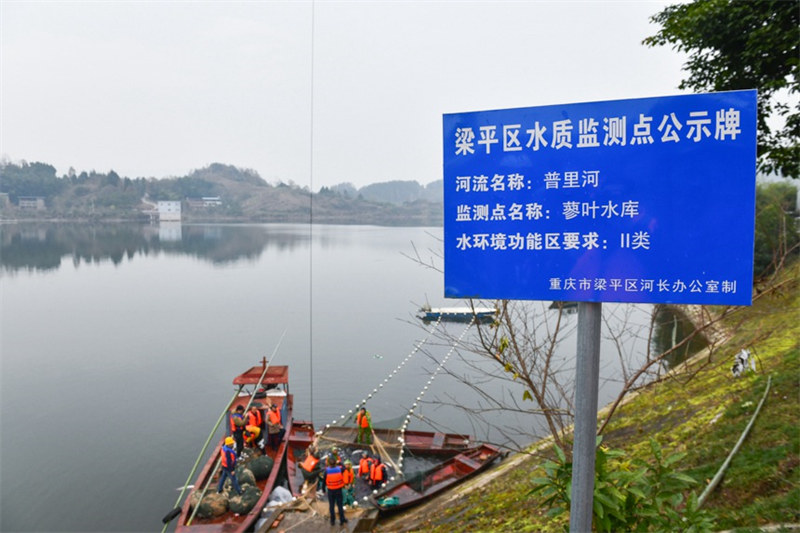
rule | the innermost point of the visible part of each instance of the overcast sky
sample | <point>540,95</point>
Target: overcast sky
<point>318,94</point>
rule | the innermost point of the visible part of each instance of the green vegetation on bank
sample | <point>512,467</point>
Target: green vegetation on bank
<point>240,195</point>
<point>697,414</point>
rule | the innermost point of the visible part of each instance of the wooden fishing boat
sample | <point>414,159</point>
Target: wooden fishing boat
<point>300,438</point>
<point>421,442</point>
<point>274,384</point>
<point>407,492</point>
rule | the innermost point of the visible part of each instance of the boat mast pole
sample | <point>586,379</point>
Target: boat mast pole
<point>266,365</point>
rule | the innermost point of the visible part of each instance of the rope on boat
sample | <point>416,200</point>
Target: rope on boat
<point>403,428</point>
<point>351,412</point>
<point>217,462</point>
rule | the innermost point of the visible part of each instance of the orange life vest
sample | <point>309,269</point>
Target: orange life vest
<point>334,478</point>
<point>227,457</point>
<point>274,417</point>
<point>348,476</point>
<point>254,418</point>
<point>376,472</point>
<point>364,466</point>
<point>309,463</point>
<point>234,427</point>
<point>362,420</point>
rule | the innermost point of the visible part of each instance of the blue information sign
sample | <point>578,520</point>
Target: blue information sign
<point>643,200</point>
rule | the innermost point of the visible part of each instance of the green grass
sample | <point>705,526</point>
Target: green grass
<point>702,415</point>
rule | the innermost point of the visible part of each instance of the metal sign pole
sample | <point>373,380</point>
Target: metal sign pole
<point>587,379</point>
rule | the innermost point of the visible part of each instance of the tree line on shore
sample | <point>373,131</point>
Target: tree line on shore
<point>243,196</point>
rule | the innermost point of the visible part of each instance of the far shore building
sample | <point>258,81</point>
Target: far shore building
<point>169,211</point>
<point>31,202</point>
<point>204,202</point>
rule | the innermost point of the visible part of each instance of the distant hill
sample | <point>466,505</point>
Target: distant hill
<point>243,196</point>
<point>391,192</point>
<point>399,192</point>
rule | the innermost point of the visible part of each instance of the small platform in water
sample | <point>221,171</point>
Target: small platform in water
<point>456,314</point>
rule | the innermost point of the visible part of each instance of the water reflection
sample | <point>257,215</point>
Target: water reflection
<point>672,328</point>
<point>43,247</point>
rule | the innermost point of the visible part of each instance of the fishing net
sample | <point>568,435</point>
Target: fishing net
<point>417,482</point>
<point>213,504</point>
<point>385,442</point>
<point>260,466</point>
<point>242,504</point>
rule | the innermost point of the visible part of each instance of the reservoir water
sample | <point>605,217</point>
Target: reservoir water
<point>119,344</point>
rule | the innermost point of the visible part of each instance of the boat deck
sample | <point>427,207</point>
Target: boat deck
<point>302,516</point>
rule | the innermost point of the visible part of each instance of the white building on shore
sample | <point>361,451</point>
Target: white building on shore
<point>169,211</point>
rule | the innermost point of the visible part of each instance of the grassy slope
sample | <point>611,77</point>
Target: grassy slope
<point>703,416</point>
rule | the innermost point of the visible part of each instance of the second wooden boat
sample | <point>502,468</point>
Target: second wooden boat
<point>408,492</point>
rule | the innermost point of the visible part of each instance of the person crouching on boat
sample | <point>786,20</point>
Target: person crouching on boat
<point>254,419</point>
<point>349,477</point>
<point>334,481</point>
<point>274,427</point>
<point>377,473</point>
<point>228,462</point>
<point>364,423</point>
<point>251,434</point>
<point>310,466</point>
<point>237,428</point>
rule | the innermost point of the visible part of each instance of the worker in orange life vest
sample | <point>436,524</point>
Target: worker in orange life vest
<point>377,473</point>
<point>274,427</point>
<point>348,493</point>
<point>334,481</point>
<point>237,427</point>
<point>228,463</point>
<point>254,420</point>
<point>364,466</point>
<point>364,424</point>
<point>309,466</point>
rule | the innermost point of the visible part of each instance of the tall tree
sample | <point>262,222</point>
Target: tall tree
<point>744,44</point>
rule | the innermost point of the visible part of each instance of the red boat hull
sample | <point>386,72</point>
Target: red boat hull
<point>231,522</point>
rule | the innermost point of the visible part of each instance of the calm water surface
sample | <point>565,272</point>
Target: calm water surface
<point>119,344</point>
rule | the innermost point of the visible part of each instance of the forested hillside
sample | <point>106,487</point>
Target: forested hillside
<point>241,193</point>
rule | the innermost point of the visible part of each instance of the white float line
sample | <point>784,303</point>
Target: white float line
<point>407,420</point>
<point>391,375</point>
